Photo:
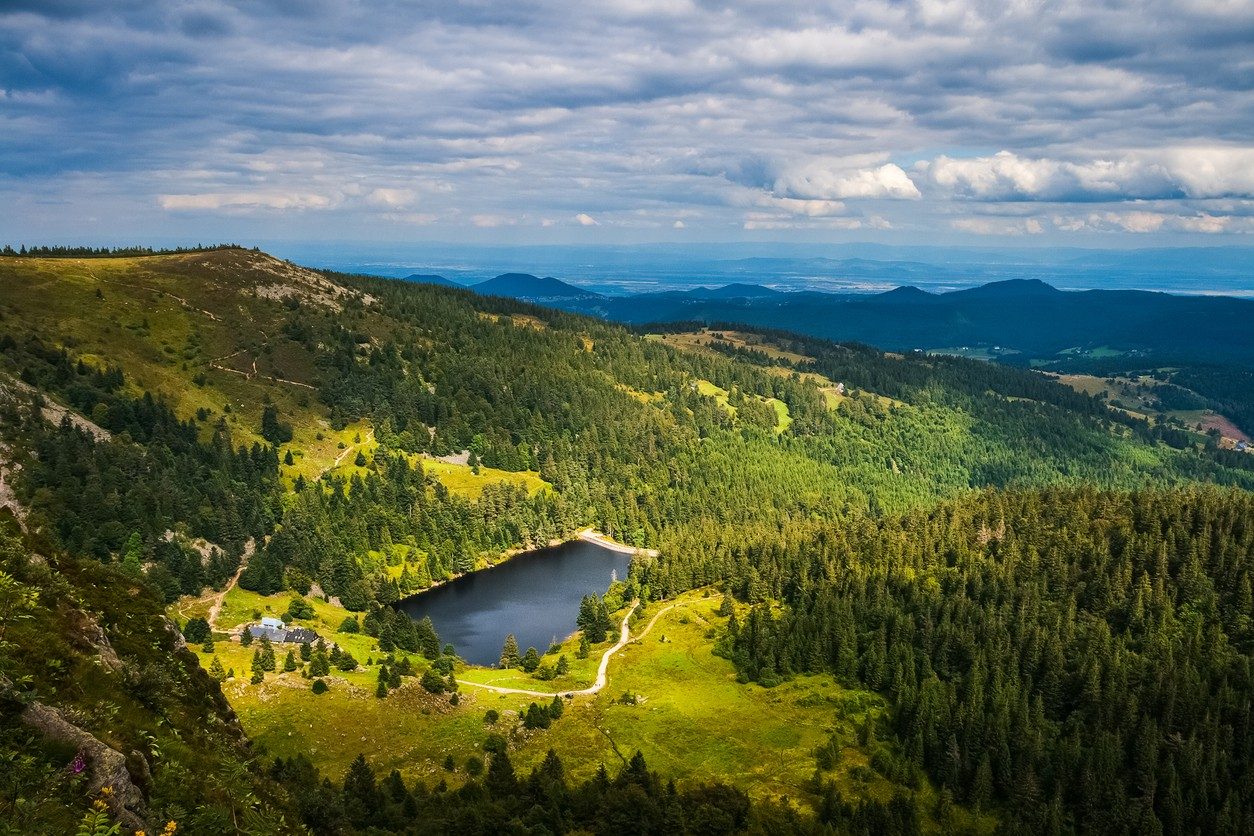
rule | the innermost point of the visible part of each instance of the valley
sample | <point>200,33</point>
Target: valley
<point>855,594</point>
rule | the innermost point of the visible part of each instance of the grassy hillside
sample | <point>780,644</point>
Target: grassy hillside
<point>101,703</point>
<point>355,440</point>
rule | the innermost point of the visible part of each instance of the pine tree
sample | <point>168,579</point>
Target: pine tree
<point>289,663</point>
<point>132,556</point>
<point>530,660</point>
<point>216,670</point>
<point>268,663</point>
<point>319,664</point>
<point>362,800</point>
<point>509,653</point>
<point>500,781</point>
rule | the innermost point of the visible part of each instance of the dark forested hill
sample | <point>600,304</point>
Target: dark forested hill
<point>1016,569</point>
<point>1027,317</point>
<point>532,288</point>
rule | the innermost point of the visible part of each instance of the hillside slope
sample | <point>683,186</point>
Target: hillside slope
<point>1028,317</point>
<point>374,437</point>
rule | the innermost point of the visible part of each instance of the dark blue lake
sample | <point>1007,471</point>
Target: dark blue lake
<point>535,596</point>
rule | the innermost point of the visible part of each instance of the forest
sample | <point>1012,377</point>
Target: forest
<point>1054,599</point>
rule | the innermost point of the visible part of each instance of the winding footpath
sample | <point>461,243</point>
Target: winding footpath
<point>624,638</point>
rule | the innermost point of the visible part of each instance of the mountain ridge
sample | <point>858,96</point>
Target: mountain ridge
<point>529,287</point>
<point>1030,316</point>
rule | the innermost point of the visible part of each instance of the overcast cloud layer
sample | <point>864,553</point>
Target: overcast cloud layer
<point>619,120</point>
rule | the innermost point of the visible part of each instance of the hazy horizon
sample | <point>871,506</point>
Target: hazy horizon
<point>861,267</point>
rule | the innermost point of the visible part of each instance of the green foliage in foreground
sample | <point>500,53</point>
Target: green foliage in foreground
<point>92,644</point>
<point>635,801</point>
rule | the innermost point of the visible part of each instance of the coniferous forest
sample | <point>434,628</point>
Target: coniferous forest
<point>1052,598</point>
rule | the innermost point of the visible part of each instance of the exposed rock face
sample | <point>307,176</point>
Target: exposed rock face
<point>106,767</point>
<point>85,627</point>
<point>180,643</point>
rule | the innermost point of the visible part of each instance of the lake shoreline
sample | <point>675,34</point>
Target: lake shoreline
<point>587,535</point>
<point>535,598</point>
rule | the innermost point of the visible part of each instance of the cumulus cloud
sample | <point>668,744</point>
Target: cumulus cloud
<point>846,117</point>
<point>1174,173</point>
<point>834,180</point>
<point>1143,222</point>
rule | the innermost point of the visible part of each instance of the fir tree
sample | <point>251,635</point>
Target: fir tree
<point>509,652</point>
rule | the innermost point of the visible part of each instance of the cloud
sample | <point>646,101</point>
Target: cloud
<point>1142,222</point>
<point>678,225</point>
<point>391,198</point>
<point>1174,173</point>
<point>586,220</point>
<point>243,200</point>
<point>491,221</point>
<point>865,117</point>
<point>830,180</point>
<point>998,226</point>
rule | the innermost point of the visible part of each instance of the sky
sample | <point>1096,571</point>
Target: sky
<point>1016,122</point>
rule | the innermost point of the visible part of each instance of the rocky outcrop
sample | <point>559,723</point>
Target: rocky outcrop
<point>91,636</point>
<point>180,643</point>
<point>105,766</point>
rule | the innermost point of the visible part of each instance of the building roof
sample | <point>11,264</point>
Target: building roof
<point>263,631</point>
<point>300,635</point>
<point>283,635</point>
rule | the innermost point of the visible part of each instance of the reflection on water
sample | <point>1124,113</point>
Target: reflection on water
<point>535,596</point>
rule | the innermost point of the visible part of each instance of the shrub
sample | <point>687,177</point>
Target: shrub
<point>432,681</point>
<point>300,608</point>
<point>196,630</point>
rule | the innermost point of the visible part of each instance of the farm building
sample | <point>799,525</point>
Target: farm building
<point>276,631</point>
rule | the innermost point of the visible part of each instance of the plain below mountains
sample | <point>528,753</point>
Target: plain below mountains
<point>1017,318</point>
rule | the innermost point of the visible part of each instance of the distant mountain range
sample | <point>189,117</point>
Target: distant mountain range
<point>546,291</point>
<point>1024,317</point>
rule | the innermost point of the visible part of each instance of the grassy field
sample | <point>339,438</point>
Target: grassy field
<point>782,418</point>
<point>686,712</point>
<point>461,479</point>
<point>209,346</point>
<point>699,342</point>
